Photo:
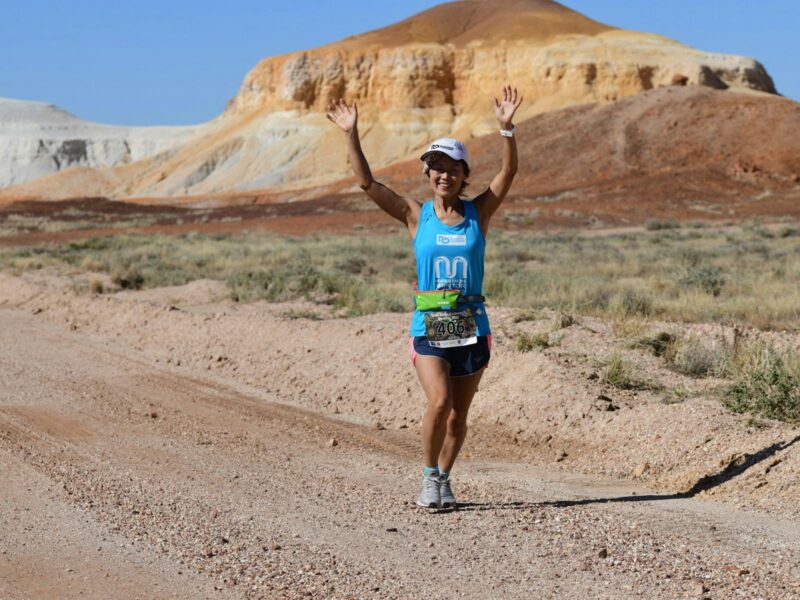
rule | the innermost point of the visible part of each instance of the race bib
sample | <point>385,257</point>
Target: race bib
<point>448,329</point>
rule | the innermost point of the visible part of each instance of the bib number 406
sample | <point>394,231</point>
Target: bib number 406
<point>456,328</point>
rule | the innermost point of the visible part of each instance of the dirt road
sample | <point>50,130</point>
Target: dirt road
<point>125,478</point>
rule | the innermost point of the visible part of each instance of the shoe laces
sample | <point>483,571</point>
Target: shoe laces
<point>431,484</point>
<point>444,487</point>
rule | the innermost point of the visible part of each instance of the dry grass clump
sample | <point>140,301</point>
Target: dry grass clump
<point>525,342</point>
<point>690,355</point>
<point>96,286</point>
<point>657,344</point>
<point>631,302</point>
<point>526,315</point>
<point>128,278</point>
<point>564,320</point>
<point>676,395</point>
<point>619,373</point>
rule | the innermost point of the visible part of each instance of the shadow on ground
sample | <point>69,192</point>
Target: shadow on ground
<point>734,467</point>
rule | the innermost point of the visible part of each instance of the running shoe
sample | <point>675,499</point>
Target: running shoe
<point>446,498</point>
<point>429,497</point>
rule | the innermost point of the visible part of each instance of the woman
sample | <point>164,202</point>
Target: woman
<point>451,339</point>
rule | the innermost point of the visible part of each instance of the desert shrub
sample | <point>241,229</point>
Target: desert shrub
<point>92,263</point>
<point>691,356</point>
<point>635,302</point>
<point>128,278</point>
<point>658,224</point>
<point>525,342</point>
<point>619,373</point>
<point>525,315</point>
<point>785,232</point>
<point>709,278</point>
<point>595,300</point>
<point>564,320</point>
<point>657,344</point>
<point>766,382</point>
<point>352,264</point>
<point>629,327</point>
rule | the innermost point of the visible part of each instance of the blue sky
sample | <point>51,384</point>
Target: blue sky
<point>179,61</point>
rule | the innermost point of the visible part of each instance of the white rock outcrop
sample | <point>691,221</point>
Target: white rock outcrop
<point>38,139</point>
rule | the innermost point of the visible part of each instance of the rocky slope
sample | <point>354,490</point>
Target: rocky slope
<point>688,146</point>
<point>430,75</point>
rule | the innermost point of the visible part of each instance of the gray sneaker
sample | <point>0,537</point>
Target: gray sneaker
<point>446,498</point>
<point>429,497</point>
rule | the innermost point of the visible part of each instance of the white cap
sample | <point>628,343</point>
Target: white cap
<point>452,148</point>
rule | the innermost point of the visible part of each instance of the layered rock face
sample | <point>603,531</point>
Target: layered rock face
<point>37,139</point>
<point>558,69</point>
<point>428,76</point>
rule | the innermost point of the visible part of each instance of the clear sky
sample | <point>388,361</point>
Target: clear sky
<point>148,62</point>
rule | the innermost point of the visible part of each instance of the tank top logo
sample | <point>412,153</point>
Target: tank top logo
<point>447,272</point>
<point>451,240</point>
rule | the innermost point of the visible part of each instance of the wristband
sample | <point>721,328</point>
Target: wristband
<point>507,132</point>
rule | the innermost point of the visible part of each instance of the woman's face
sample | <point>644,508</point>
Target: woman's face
<point>446,176</point>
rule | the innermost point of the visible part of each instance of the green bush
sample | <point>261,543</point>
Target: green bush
<point>706,277</point>
<point>766,383</point>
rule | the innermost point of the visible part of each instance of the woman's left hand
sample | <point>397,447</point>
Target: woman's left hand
<point>504,110</point>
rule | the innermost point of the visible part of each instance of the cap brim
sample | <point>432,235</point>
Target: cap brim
<point>432,152</point>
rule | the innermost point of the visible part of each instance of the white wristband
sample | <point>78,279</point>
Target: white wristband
<point>507,132</point>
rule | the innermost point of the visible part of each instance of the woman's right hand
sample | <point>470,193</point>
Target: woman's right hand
<point>343,115</point>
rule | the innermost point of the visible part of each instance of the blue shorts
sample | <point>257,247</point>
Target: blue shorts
<point>463,360</point>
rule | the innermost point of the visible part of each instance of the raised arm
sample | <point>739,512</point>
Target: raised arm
<point>489,201</point>
<point>402,209</point>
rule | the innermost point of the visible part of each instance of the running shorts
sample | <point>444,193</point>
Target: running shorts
<point>463,360</point>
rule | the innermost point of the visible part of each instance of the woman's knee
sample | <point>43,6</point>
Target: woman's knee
<point>440,406</point>
<point>457,423</point>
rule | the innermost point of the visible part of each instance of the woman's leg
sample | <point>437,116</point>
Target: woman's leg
<point>462,391</point>
<point>434,375</point>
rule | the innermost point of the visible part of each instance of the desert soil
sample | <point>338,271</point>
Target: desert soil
<point>171,444</point>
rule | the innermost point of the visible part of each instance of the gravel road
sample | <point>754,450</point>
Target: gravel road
<point>126,478</point>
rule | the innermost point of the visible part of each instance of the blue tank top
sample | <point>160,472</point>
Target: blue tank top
<point>450,257</point>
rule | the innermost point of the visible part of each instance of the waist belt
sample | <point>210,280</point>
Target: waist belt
<point>443,299</point>
<point>471,298</point>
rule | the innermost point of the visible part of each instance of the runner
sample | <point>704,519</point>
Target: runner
<point>451,339</point>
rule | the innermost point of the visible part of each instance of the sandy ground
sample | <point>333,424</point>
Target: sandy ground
<point>170,444</point>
